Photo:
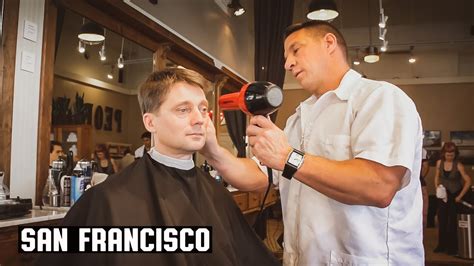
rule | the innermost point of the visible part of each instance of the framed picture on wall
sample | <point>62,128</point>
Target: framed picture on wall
<point>466,155</point>
<point>432,138</point>
<point>462,138</point>
<point>433,155</point>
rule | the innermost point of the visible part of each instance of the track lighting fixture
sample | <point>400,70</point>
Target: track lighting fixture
<point>110,74</point>
<point>237,8</point>
<point>382,33</point>
<point>81,47</point>
<point>411,59</point>
<point>384,46</point>
<point>356,61</point>
<point>102,55</point>
<point>120,61</point>
<point>383,19</point>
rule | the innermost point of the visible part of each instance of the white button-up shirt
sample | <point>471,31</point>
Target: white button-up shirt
<point>366,119</point>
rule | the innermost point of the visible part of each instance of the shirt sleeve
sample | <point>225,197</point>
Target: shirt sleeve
<point>275,174</point>
<point>387,129</point>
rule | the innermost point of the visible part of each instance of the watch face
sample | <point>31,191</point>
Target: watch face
<point>295,159</point>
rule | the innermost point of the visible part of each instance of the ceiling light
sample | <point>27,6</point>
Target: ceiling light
<point>91,33</point>
<point>356,61</point>
<point>412,59</point>
<point>110,75</point>
<point>322,10</point>
<point>102,53</point>
<point>237,7</point>
<point>382,33</point>
<point>383,20</point>
<point>81,47</point>
<point>372,55</point>
<point>384,46</point>
<point>120,61</point>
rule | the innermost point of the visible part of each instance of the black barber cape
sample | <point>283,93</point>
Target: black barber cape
<point>148,193</point>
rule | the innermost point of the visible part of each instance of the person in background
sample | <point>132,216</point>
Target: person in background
<point>105,164</point>
<point>347,164</point>
<point>146,138</point>
<point>55,151</point>
<point>127,159</point>
<point>425,168</point>
<point>451,175</point>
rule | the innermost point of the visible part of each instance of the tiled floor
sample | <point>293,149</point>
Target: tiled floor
<point>275,229</point>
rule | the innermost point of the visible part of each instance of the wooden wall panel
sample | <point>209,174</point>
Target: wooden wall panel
<point>7,77</point>
<point>46,96</point>
<point>124,20</point>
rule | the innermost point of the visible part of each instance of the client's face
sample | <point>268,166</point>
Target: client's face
<point>182,121</point>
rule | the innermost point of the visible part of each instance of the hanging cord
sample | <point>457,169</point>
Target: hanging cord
<point>270,181</point>
<point>262,206</point>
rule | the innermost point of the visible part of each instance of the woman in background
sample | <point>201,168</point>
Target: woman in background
<point>450,173</point>
<point>105,164</point>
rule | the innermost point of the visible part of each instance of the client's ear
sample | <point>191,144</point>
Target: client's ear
<point>149,122</point>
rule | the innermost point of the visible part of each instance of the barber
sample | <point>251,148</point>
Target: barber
<point>347,162</point>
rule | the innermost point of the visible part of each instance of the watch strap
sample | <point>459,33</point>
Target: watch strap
<point>289,170</point>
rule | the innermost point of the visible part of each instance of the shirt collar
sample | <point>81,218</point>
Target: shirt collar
<point>344,90</point>
<point>186,164</point>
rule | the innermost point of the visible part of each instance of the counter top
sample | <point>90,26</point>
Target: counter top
<point>36,215</point>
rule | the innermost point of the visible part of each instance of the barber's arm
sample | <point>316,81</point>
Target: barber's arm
<point>467,182</point>
<point>355,181</point>
<point>242,173</point>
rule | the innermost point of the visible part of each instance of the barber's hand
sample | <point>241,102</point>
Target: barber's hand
<point>268,143</point>
<point>211,145</point>
<point>458,199</point>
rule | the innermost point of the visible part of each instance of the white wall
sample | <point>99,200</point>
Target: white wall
<point>26,104</point>
<point>228,39</point>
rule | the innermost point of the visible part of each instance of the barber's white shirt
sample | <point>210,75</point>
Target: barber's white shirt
<point>360,119</point>
<point>139,151</point>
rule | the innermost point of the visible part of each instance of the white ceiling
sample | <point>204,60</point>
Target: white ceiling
<point>440,33</point>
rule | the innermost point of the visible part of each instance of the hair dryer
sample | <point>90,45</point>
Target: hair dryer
<point>255,98</point>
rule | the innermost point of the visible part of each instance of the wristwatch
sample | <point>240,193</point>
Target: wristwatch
<point>293,163</point>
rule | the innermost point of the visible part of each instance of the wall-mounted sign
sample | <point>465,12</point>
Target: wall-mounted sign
<point>110,117</point>
<point>106,118</point>
<point>30,31</point>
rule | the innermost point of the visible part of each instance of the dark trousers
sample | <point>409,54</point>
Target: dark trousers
<point>447,222</point>
<point>432,208</point>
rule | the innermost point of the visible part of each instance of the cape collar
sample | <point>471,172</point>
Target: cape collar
<point>186,164</point>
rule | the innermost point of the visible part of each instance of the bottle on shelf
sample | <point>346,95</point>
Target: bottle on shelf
<point>50,192</point>
<point>4,191</point>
